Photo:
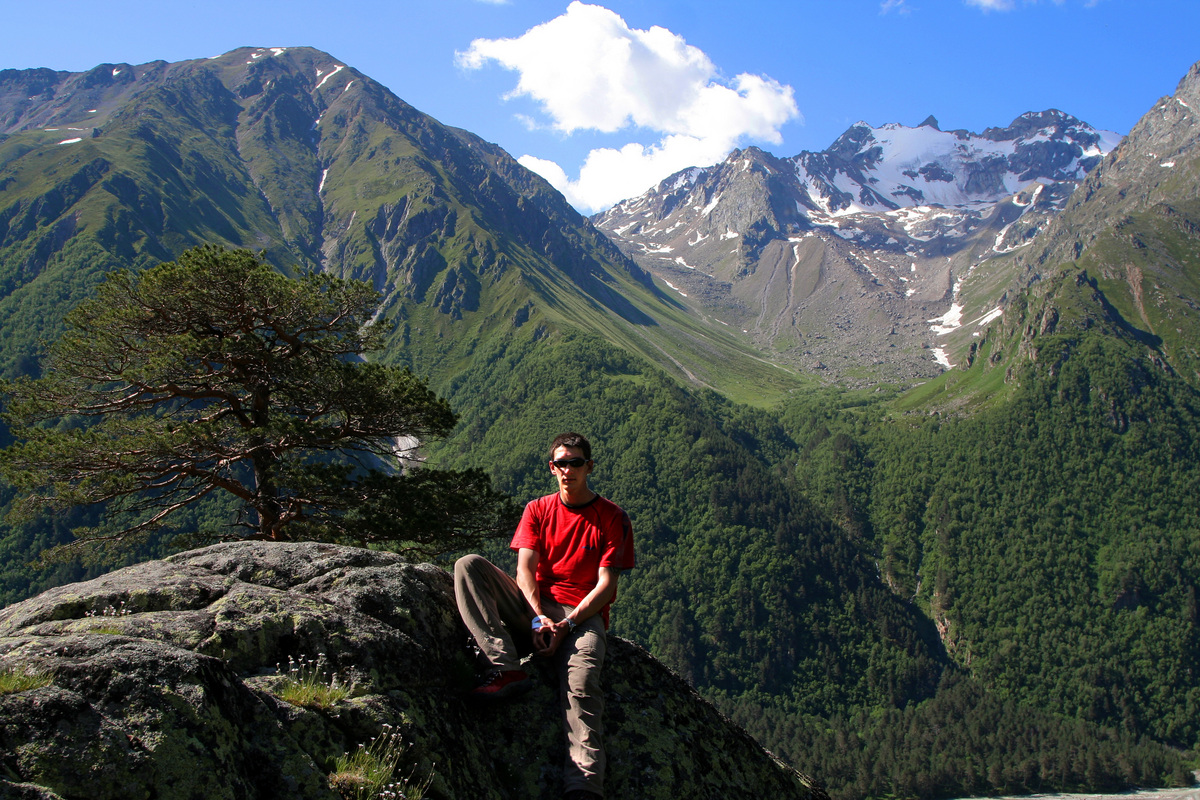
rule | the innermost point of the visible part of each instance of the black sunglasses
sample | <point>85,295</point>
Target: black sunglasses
<point>574,463</point>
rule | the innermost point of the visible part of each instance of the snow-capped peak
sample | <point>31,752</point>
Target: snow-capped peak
<point>895,166</point>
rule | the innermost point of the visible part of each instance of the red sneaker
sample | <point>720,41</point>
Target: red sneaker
<point>497,685</point>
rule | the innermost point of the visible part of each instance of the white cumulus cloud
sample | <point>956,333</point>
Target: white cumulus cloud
<point>588,70</point>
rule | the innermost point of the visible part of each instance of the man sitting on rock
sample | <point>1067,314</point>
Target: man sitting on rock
<point>571,546</point>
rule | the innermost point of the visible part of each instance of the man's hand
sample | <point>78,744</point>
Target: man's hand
<point>547,640</point>
<point>542,639</point>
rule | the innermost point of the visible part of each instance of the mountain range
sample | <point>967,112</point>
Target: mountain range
<point>909,428</point>
<point>291,152</point>
<point>853,262</point>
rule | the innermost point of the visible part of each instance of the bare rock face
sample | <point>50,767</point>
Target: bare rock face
<point>843,262</point>
<point>163,681</point>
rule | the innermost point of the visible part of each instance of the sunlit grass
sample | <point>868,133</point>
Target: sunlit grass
<point>310,684</point>
<point>14,680</point>
<point>369,773</point>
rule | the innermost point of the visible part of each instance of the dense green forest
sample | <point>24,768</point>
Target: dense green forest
<point>798,565</point>
<point>1053,539</point>
<point>901,605</point>
<point>986,584</point>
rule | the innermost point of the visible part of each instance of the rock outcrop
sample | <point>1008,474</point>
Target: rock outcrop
<point>162,680</point>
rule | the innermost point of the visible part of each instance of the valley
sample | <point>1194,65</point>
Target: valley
<point>912,459</point>
<point>858,263</point>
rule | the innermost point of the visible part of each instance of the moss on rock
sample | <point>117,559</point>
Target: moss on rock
<point>174,700</point>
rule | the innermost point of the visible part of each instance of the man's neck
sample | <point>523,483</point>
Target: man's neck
<point>581,498</point>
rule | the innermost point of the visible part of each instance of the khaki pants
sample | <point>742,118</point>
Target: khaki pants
<point>493,608</point>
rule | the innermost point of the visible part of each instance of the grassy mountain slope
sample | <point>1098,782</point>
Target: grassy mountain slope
<point>1133,227</point>
<point>295,154</point>
<point>844,577</point>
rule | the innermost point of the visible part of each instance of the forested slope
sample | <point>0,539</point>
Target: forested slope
<point>929,608</point>
<point>1051,538</point>
<point>742,584</point>
<point>987,584</point>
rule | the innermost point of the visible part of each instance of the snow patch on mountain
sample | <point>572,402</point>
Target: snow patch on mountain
<point>335,71</point>
<point>676,288</point>
<point>262,51</point>
<point>992,315</point>
<point>686,178</point>
<point>948,322</point>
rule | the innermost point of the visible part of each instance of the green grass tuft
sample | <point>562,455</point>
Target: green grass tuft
<point>369,773</point>
<point>309,684</point>
<point>13,680</point>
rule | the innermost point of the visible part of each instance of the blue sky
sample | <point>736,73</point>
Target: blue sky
<point>646,86</point>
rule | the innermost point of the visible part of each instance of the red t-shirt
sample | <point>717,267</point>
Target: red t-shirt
<point>573,543</point>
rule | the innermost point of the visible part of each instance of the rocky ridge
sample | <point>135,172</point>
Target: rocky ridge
<point>850,260</point>
<point>1129,234</point>
<point>164,680</point>
<point>1156,166</point>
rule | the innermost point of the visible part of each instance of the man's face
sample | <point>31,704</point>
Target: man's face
<point>570,479</point>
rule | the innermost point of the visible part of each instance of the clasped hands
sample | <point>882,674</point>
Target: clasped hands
<point>548,635</point>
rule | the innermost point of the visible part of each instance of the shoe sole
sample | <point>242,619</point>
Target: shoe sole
<point>507,693</point>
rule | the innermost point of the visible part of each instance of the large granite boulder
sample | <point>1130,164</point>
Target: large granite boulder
<point>162,680</point>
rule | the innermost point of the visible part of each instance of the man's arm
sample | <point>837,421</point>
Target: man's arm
<point>527,561</point>
<point>600,596</point>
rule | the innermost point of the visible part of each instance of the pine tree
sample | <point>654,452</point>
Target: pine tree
<point>216,373</point>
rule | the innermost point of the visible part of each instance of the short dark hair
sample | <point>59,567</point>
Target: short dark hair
<point>572,440</point>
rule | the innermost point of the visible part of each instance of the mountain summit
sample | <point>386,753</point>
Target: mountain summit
<point>896,166</point>
<point>292,152</point>
<point>832,258</point>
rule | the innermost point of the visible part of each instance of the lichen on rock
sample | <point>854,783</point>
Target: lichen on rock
<point>173,697</point>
